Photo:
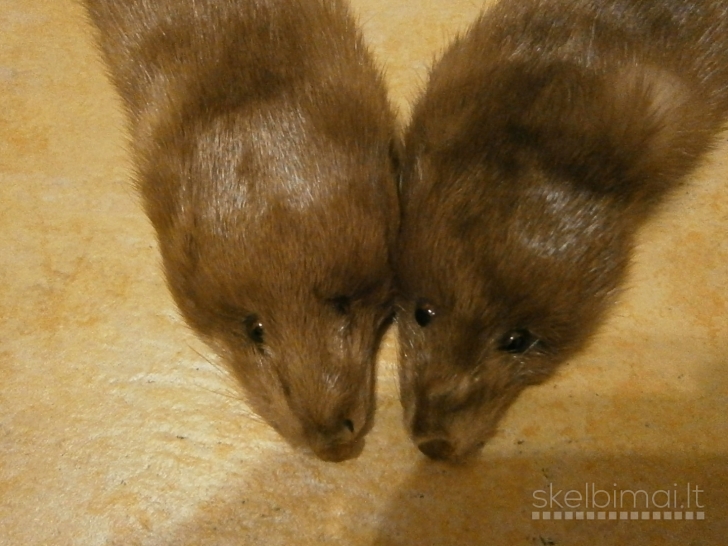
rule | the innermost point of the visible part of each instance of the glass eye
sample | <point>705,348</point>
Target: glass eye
<point>342,304</point>
<point>517,341</point>
<point>424,314</point>
<point>255,329</point>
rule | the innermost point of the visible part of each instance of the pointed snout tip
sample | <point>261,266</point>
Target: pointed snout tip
<point>438,450</point>
<point>341,452</point>
<point>444,450</point>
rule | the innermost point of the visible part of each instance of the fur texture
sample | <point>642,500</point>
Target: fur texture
<point>263,140</point>
<point>546,136</point>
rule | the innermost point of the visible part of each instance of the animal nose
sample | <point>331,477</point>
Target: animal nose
<point>341,452</point>
<point>343,431</point>
<point>339,442</point>
<point>338,431</point>
<point>439,450</point>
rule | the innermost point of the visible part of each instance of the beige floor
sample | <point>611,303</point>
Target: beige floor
<point>116,428</point>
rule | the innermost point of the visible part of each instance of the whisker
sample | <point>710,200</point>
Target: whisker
<point>229,395</point>
<point>223,370</point>
<point>250,414</point>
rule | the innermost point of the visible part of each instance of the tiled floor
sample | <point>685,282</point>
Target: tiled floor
<point>117,428</point>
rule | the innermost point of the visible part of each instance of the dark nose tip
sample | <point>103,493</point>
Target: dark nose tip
<point>344,431</point>
<point>341,452</point>
<point>338,442</point>
<point>337,431</point>
<point>340,429</point>
<point>439,450</point>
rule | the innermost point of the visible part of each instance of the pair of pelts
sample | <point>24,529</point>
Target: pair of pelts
<point>268,160</point>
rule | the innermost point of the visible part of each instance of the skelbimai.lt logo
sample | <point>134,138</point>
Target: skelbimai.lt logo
<point>679,502</point>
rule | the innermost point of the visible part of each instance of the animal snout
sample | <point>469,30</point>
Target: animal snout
<point>430,433</point>
<point>337,439</point>
<point>337,431</point>
<point>427,422</point>
<point>437,449</point>
<point>341,452</point>
<point>343,431</point>
<point>339,442</point>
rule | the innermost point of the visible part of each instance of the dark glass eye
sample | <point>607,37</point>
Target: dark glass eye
<point>517,342</point>
<point>424,314</point>
<point>342,304</point>
<point>255,329</point>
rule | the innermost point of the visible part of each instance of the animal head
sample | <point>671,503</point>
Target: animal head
<point>516,232</point>
<point>276,239</point>
<point>498,287</point>
<point>526,173</point>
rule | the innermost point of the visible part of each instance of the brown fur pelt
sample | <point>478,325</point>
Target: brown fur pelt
<point>262,139</point>
<point>547,134</point>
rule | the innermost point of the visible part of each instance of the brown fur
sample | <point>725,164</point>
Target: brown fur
<point>262,138</point>
<point>545,137</point>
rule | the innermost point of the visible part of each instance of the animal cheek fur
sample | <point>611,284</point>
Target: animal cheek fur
<point>265,390</point>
